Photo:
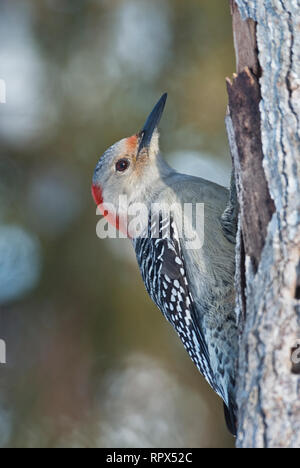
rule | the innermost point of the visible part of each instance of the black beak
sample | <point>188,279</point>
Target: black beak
<point>152,122</point>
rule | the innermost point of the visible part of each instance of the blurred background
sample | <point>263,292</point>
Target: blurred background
<point>90,361</point>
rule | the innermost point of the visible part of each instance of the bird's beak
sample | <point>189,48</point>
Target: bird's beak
<point>151,123</point>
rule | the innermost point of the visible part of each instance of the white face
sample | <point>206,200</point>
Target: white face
<point>130,166</point>
<point>120,172</point>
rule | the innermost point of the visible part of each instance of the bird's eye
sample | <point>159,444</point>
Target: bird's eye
<point>122,165</point>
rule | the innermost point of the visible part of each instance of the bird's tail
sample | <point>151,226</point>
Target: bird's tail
<point>230,418</point>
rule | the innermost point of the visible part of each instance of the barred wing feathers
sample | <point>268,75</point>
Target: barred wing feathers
<point>163,270</point>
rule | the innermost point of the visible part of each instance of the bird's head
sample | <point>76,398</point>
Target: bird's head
<point>129,166</point>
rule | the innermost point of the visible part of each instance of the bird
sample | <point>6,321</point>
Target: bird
<point>192,283</point>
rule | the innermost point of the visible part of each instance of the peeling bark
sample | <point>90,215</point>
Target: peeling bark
<point>264,136</point>
<point>256,204</point>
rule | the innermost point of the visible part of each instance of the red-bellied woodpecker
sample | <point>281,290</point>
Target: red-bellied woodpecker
<point>191,283</point>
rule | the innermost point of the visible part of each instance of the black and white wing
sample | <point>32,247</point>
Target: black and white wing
<point>163,271</point>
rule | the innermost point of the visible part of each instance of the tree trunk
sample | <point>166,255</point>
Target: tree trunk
<point>263,129</point>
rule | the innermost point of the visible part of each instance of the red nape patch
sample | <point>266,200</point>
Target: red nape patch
<point>97,194</point>
<point>131,142</point>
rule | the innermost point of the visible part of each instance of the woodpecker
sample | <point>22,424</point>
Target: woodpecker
<point>192,286</point>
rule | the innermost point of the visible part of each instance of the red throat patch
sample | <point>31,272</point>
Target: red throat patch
<point>97,194</point>
<point>112,218</point>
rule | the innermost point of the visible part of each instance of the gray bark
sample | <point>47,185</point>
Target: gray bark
<point>264,136</point>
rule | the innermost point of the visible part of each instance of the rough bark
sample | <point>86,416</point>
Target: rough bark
<point>264,136</point>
